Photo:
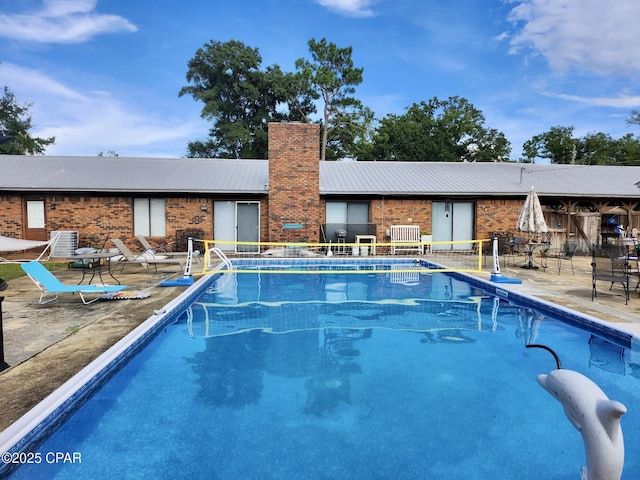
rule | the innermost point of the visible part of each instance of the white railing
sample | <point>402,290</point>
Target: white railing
<point>223,258</point>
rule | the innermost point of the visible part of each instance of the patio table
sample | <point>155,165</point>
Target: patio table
<point>95,263</point>
<point>531,248</point>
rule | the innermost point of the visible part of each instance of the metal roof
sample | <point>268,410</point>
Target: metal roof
<point>121,174</point>
<point>478,179</point>
<point>223,176</point>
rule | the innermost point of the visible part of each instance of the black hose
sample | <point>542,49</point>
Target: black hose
<point>544,347</point>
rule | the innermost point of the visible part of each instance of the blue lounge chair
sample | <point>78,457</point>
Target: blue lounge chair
<point>50,287</point>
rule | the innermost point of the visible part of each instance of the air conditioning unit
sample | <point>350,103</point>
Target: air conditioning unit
<point>66,245</point>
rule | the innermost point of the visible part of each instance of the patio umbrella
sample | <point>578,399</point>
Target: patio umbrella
<point>531,219</point>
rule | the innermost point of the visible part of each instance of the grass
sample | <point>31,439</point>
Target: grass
<point>9,271</point>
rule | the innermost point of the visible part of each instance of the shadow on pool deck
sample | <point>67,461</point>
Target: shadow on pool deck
<point>45,345</point>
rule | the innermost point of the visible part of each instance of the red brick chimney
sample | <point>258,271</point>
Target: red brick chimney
<point>294,182</point>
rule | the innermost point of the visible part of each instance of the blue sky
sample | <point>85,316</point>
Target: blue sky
<point>105,75</point>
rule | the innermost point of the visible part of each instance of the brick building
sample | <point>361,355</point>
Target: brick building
<point>293,196</point>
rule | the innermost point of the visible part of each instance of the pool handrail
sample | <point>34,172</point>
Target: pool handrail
<point>223,258</point>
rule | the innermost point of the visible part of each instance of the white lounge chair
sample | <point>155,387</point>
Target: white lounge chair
<point>163,251</point>
<point>145,259</point>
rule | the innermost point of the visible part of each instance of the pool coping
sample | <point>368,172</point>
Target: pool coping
<point>31,429</point>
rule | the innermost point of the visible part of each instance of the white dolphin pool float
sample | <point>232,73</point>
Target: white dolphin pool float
<point>595,416</point>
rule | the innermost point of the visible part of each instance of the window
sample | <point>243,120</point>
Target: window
<point>35,214</point>
<point>345,220</point>
<point>149,217</point>
<point>347,212</point>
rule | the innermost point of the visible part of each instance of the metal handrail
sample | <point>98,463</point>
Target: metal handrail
<point>223,258</point>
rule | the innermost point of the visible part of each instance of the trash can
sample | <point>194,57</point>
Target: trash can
<point>364,251</point>
<point>355,251</point>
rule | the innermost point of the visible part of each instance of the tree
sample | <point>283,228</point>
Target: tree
<point>628,150</point>
<point>450,130</point>
<point>333,76</point>
<point>226,77</point>
<point>351,138</point>
<point>15,123</point>
<point>557,145</point>
<point>596,149</point>
<point>110,153</point>
<point>241,99</point>
<point>635,117</point>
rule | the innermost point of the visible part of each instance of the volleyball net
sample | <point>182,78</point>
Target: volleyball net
<point>372,257</point>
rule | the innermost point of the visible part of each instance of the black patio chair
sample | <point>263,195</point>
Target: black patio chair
<point>634,268</point>
<point>517,247</point>
<point>565,252</point>
<point>610,263</point>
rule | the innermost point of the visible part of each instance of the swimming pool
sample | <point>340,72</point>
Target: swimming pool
<point>392,375</point>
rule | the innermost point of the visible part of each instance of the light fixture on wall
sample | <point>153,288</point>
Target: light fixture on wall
<point>203,207</point>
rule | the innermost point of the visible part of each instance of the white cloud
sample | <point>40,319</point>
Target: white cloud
<point>56,8</point>
<point>28,80</point>
<point>622,101</point>
<point>62,21</point>
<point>87,122</point>
<point>355,8</point>
<point>588,35</point>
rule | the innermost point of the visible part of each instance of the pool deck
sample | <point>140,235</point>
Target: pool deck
<point>45,345</point>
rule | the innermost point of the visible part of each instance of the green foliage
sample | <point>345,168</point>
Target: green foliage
<point>450,130</point>
<point>110,153</point>
<point>333,77</point>
<point>241,99</point>
<point>560,147</point>
<point>556,145</point>
<point>627,150</point>
<point>635,117</point>
<point>15,122</point>
<point>227,79</point>
<point>351,136</point>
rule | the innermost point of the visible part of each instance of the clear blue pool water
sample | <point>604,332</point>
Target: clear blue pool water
<point>343,376</point>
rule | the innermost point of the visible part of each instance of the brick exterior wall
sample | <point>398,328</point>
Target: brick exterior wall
<point>187,213</point>
<point>390,211</point>
<point>495,215</point>
<point>294,181</point>
<point>11,216</point>
<point>96,217</point>
<point>93,217</point>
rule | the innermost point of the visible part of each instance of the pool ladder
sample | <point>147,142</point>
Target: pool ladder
<point>223,258</point>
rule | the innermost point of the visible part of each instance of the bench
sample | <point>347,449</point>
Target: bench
<point>407,237</point>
